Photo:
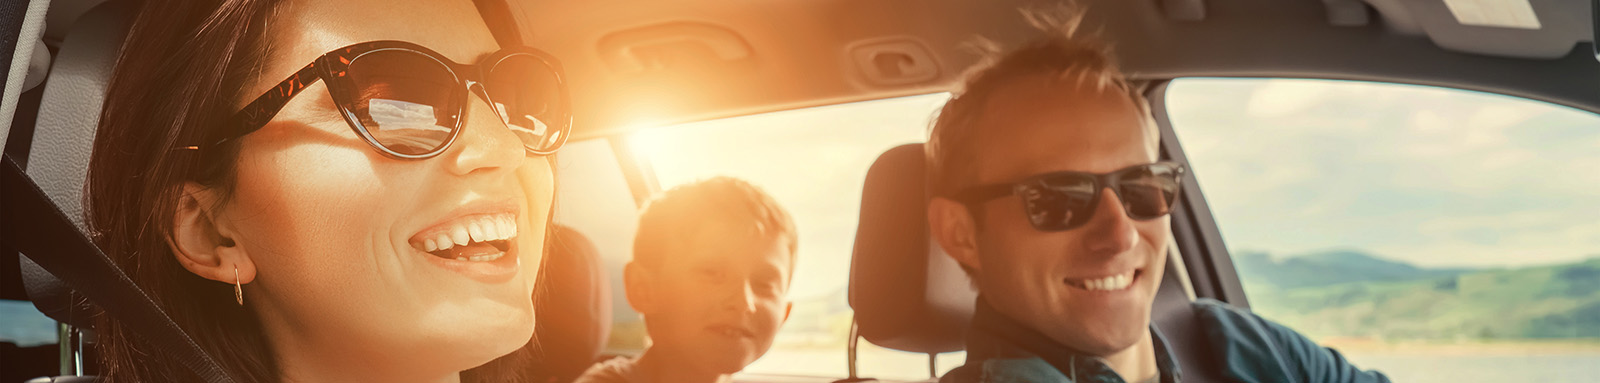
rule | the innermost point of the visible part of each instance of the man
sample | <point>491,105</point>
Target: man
<point>712,261</point>
<point>1049,193</point>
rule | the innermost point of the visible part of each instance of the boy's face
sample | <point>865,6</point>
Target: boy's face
<point>717,298</point>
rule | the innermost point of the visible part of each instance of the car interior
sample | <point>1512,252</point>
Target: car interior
<point>639,65</point>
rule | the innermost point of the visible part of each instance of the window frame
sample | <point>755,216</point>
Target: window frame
<point>1199,242</point>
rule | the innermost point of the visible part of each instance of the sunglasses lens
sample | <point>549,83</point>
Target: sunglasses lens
<point>528,95</point>
<point>1058,203</point>
<point>405,100</point>
<point>1149,191</point>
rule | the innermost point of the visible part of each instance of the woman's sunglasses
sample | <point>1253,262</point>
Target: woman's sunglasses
<point>409,102</point>
<point>1066,200</point>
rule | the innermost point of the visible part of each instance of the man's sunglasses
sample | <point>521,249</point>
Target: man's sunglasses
<point>1065,200</point>
<point>409,102</point>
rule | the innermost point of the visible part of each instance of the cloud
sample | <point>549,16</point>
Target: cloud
<point>1281,98</point>
<point>1430,175</point>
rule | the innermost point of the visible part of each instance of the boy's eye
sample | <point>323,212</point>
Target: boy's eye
<point>770,289</point>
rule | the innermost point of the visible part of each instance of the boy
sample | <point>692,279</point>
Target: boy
<point>710,274</point>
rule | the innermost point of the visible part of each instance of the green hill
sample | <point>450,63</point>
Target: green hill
<point>1392,300</point>
<point>1329,268</point>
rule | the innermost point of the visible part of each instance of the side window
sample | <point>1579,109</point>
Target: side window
<point>812,161</point>
<point>1435,234</point>
<point>24,326</point>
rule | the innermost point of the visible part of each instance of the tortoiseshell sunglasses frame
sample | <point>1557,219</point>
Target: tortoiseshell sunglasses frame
<point>333,68</point>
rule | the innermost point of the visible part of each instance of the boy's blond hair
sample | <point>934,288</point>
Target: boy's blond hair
<point>679,213</point>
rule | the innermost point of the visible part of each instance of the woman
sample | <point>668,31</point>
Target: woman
<point>354,190</point>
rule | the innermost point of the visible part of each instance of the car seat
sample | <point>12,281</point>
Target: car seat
<point>909,296</point>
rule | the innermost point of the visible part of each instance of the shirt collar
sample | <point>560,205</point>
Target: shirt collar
<point>995,336</point>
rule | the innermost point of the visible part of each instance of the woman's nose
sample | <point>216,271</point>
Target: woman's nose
<point>485,142</point>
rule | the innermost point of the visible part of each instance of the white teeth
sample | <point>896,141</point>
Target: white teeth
<point>1115,282</point>
<point>444,242</point>
<point>476,232</point>
<point>469,230</point>
<point>493,226</point>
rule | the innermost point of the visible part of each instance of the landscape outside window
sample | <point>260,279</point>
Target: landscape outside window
<point>1435,234</point>
<point>1438,235</point>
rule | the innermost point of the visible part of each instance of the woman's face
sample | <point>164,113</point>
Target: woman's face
<point>336,230</point>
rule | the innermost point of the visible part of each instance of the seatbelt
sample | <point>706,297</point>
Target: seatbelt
<point>36,227</point>
<point>502,23</point>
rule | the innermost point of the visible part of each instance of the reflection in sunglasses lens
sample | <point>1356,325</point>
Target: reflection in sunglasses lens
<point>404,99</point>
<point>527,95</point>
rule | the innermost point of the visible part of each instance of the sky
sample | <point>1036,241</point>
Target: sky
<point>1431,176</point>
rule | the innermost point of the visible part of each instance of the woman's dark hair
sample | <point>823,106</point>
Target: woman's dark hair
<point>183,64</point>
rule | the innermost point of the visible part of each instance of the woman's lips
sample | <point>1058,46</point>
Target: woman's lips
<point>448,237</point>
<point>502,268</point>
<point>481,246</point>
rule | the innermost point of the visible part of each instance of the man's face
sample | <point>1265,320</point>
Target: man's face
<point>718,297</point>
<point>1039,278</point>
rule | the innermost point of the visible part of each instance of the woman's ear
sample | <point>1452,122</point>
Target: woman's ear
<point>954,229</point>
<point>204,245</point>
<point>640,286</point>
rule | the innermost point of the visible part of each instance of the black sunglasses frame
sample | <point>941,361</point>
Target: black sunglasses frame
<point>975,196</point>
<point>333,67</point>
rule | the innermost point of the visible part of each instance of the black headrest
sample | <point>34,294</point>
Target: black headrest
<point>908,295</point>
<point>573,313</point>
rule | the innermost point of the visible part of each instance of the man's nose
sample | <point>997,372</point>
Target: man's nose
<point>1109,231</point>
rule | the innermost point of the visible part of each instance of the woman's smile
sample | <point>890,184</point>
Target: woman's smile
<point>474,240</point>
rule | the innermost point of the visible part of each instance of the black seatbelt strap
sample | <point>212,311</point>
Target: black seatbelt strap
<point>502,23</point>
<point>37,228</point>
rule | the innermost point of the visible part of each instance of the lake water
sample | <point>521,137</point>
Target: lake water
<point>1577,367</point>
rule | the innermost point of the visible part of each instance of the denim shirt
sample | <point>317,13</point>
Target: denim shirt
<point>1250,348</point>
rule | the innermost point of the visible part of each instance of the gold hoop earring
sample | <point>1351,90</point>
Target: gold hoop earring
<point>238,290</point>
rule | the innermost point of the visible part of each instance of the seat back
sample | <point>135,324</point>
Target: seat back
<point>573,313</point>
<point>908,295</point>
<point>69,113</point>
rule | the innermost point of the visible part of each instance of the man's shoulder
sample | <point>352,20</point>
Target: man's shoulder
<point>1011,370</point>
<point>614,370</point>
<point>1270,349</point>
<point>1235,328</point>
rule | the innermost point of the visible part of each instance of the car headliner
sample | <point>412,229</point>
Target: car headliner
<point>640,63</point>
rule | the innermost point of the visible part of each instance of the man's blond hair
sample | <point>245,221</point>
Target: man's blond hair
<point>1066,52</point>
<point>682,211</point>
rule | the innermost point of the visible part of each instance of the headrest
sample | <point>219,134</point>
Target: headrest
<point>906,293</point>
<point>573,313</point>
<point>69,113</point>
<point>909,296</point>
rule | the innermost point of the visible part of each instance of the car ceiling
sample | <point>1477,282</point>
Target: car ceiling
<point>640,63</point>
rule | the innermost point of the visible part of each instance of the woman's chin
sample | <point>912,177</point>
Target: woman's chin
<point>485,336</point>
